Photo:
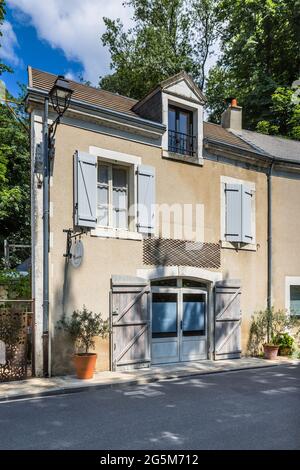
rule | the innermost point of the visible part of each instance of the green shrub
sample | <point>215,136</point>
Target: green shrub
<point>266,326</point>
<point>284,340</point>
<point>83,327</point>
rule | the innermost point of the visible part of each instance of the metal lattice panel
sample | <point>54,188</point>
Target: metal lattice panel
<point>168,252</point>
<point>13,333</point>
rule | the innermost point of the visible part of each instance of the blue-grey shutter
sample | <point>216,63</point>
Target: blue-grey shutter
<point>85,189</point>
<point>233,229</point>
<point>146,199</point>
<point>247,230</point>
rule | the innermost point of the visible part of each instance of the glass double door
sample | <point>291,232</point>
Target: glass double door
<point>179,325</point>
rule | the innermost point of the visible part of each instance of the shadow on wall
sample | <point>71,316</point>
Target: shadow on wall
<point>62,348</point>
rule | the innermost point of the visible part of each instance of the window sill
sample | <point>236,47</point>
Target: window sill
<point>116,233</point>
<point>238,246</point>
<point>183,158</point>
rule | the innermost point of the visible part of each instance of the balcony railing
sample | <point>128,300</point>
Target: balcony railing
<point>182,143</point>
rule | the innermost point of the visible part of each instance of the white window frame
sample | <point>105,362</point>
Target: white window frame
<point>131,162</point>
<point>224,243</point>
<point>185,104</point>
<point>290,281</point>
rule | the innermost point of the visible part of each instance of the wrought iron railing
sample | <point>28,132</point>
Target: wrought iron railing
<point>182,143</point>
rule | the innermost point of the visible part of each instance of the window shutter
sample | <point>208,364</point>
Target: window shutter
<point>85,189</point>
<point>146,199</point>
<point>247,232</point>
<point>233,198</point>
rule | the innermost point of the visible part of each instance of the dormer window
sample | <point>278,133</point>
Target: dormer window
<point>181,138</point>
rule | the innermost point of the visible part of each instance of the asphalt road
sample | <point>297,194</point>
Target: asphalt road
<point>253,409</point>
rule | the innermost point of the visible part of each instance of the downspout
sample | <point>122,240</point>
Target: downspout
<point>270,260</point>
<point>46,241</point>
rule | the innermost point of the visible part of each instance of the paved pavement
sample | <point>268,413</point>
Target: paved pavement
<point>248,409</point>
<point>50,386</point>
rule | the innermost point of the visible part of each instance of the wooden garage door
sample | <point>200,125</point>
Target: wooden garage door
<point>130,313</point>
<point>227,319</point>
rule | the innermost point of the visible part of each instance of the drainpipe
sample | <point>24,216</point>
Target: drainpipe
<point>270,260</point>
<point>46,242</point>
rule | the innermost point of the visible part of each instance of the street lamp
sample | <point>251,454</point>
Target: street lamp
<point>60,96</point>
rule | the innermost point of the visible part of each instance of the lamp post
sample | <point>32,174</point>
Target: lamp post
<point>60,96</point>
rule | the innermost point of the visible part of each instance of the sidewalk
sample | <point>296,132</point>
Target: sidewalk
<point>38,387</point>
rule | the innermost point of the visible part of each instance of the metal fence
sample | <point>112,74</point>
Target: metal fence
<point>16,339</point>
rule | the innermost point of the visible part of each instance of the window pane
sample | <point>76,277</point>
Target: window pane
<point>172,120</point>
<point>120,198</point>
<point>183,123</point>
<point>165,282</point>
<point>103,216</point>
<point>164,315</point>
<point>295,300</point>
<point>120,218</point>
<point>102,195</point>
<point>119,178</point>
<point>192,283</point>
<point>103,174</point>
<point>193,314</point>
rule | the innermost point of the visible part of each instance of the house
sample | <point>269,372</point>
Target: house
<point>179,229</point>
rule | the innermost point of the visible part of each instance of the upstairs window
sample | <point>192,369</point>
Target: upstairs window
<point>112,196</point>
<point>180,129</point>
<point>239,213</point>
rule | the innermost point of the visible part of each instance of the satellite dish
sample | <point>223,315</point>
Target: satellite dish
<point>77,253</point>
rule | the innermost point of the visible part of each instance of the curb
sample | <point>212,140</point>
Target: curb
<point>140,381</point>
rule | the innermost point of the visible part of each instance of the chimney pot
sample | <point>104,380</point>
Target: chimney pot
<point>232,116</point>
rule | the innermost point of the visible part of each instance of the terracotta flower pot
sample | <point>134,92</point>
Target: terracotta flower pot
<point>270,351</point>
<point>85,365</point>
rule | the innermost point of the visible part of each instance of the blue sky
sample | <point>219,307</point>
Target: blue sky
<point>59,36</point>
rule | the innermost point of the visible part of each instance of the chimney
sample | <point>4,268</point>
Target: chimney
<point>232,116</point>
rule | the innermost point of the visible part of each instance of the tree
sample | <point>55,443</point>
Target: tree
<point>259,53</point>
<point>285,118</point>
<point>14,176</point>
<point>14,167</point>
<point>168,36</point>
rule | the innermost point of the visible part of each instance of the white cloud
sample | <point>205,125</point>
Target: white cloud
<point>75,27</point>
<point>70,75</point>
<point>9,43</point>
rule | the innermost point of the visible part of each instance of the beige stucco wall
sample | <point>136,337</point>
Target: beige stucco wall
<point>286,233</point>
<point>175,183</point>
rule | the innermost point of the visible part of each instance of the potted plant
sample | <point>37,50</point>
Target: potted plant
<point>266,328</point>
<point>286,344</point>
<point>83,326</point>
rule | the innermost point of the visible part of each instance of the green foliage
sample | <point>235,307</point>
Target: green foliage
<point>265,127</point>
<point>284,340</point>
<point>259,53</point>
<point>14,177</point>
<point>266,326</point>
<point>83,326</point>
<point>168,36</point>
<point>285,119</point>
<point>17,285</point>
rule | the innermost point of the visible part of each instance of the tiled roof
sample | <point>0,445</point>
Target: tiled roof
<point>216,133</point>
<point>44,81</point>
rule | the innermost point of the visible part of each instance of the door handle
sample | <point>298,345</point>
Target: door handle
<point>181,324</point>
